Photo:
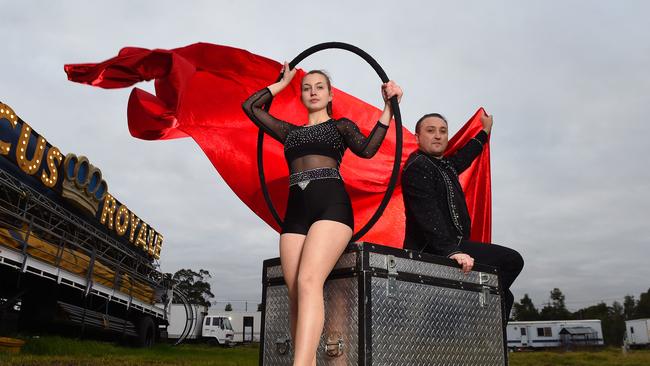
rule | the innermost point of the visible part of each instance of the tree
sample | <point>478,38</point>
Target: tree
<point>556,309</point>
<point>228,307</point>
<point>615,325</point>
<point>194,285</point>
<point>525,309</point>
<point>643,306</point>
<point>629,307</point>
<point>611,320</point>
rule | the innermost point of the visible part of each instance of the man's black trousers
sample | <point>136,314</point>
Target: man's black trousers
<point>508,261</point>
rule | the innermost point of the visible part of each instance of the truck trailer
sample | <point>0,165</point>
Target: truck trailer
<point>72,256</point>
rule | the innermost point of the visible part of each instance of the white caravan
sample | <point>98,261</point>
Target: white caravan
<point>637,332</point>
<point>554,333</point>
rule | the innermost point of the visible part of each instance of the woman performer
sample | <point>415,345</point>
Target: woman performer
<point>318,222</point>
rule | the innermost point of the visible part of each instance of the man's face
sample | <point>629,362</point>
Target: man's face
<point>433,137</point>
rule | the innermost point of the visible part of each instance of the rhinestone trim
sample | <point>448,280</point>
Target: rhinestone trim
<point>303,178</point>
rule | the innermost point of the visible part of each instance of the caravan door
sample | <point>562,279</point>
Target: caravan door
<point>248,329</point>
<point>524,336</point>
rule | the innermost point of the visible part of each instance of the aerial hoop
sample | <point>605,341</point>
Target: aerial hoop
<point>398,135</point>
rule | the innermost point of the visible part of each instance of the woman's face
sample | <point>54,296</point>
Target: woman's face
<point>315,93</point>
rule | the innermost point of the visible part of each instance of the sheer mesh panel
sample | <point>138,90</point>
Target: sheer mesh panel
<point>274,127</point>
<point>309,162</point>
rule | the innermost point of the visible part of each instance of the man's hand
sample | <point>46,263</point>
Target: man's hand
<point>486,120</point>
<point>464,260</point>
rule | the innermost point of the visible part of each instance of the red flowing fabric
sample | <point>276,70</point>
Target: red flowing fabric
<point>199,92</point>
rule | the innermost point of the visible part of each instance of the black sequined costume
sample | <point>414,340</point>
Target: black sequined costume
<point>436,213</point>
<point>437,219</point>
<point>314,154</point>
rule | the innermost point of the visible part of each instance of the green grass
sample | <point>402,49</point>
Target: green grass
<point>599,357</point>
<point>58,351</point>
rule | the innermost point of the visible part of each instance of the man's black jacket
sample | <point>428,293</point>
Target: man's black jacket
<point>436,213</point>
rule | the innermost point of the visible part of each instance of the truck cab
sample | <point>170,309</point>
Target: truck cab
<point>218,330</point>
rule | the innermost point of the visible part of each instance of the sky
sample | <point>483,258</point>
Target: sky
<point>567,82</point>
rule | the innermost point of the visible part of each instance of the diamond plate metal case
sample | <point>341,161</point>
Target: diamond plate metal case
<point>390,307</point>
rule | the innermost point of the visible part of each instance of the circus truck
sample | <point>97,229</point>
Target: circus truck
<point>73,258</point>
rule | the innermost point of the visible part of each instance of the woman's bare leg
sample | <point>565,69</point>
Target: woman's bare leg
<point>325,242</point>
<point>290,250</point>
<point>338,319</point>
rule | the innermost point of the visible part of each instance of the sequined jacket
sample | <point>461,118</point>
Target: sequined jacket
<point>436,213</point>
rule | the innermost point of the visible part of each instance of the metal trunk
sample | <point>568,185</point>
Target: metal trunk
<point>392,307</point>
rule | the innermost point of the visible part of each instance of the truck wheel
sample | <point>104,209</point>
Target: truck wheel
<point>38,309</point>
<point>146,332</point>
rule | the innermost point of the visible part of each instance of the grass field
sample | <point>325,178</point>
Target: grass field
<point>601,357</point>
<point>56,351</point>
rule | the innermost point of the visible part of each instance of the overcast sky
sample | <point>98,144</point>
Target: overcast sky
<point>568,83</point>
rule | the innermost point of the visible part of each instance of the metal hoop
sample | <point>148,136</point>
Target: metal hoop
<point>398,135</point>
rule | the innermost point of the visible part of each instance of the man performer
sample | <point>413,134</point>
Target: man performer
<point>437,219</point>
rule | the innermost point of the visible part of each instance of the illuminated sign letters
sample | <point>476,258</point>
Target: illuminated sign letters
<point>82,184</point>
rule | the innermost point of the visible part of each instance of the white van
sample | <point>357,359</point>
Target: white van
<point>217,330</point>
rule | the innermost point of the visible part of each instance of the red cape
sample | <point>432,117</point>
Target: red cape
<point>199,92</point>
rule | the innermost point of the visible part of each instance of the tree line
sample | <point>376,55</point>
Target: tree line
<point>196,287</point>
<point>612,317</point>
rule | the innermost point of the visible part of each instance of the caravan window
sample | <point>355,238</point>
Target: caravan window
<point>544,332</point>
<point>523,331</point>
<point>207,320</point>
<point>632,330</point>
